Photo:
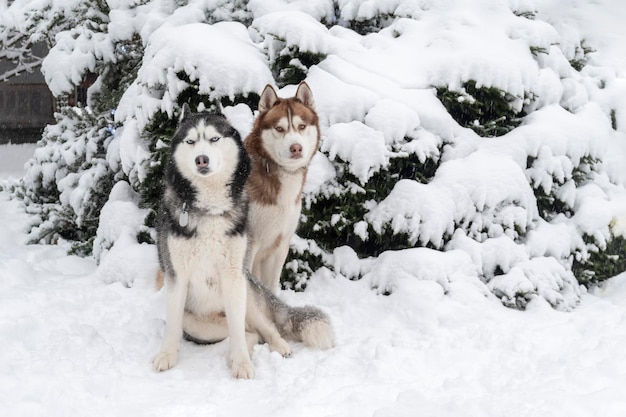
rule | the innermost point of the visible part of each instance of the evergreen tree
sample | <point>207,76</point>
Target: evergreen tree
<point>70,177</point>
<point>374,149</point>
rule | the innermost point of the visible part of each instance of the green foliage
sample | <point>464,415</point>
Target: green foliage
<point>291,65</point>
<point>373,25</point>
<point>527,14</point>
<point>70,178</point>
<point>115,79</point>
<point>82,248</point>
<point>74,150</point>
<point>551,204</point>
<point>602,262</point>
<point>536,50</point>
<point>227,11</point>
<point>330,220</point>
<point>159,132</point>
<point>360,25</point>
<point>613,119</point>
<point>581,55</point>
<point>301,264</point>
<point>488,111</point>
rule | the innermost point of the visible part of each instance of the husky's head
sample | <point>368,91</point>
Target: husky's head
<point>205,144</point>
<point>289,127</point>
<point>206,147</point>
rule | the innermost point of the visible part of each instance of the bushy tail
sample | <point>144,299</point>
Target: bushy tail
<point>308,325</point>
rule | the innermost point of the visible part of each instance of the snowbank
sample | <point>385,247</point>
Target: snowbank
<point>442,345</point>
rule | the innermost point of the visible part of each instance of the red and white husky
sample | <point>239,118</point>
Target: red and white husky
<point>281,145</point>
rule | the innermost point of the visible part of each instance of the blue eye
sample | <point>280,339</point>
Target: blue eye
<point>214,139</point>
<point>190,141</point>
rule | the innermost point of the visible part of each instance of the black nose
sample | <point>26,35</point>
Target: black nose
<point>202,161</point>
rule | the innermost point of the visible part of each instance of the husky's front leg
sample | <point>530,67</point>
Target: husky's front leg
<point>176,297</point>
<point>234,293</point>
<point>272,267</point>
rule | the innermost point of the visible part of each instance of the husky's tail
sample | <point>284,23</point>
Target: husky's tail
<point>307,324</point>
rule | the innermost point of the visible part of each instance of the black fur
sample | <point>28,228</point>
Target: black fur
<point>220,123</point>
<point>178,190</point>
<point>240,223</point>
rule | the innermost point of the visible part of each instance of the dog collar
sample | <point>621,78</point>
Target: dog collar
<point>266,162</point>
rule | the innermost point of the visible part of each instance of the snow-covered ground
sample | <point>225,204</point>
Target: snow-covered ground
<point>72,345</point>
<point>13,157</point>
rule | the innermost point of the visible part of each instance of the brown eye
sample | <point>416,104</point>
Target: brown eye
<point>279,129</point>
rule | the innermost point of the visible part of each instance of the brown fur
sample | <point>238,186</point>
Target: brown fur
<point>264,182</point>
<point>275,186</point>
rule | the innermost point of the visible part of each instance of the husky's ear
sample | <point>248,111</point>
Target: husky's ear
<point>268,99</point>
<point>185,112</point>
<point>305,95</point>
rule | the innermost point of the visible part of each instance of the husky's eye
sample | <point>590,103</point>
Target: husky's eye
<point>190,141</point>
<point>279,129</point>
<point>214,139</point>
<point>301,126</point>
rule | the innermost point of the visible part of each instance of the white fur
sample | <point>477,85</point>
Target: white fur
<point>274,223</point>
<point>209,279</point>
<point>221,169</point>
<point>318,335</point>
<point>278,143</point>
<point>206,286</point>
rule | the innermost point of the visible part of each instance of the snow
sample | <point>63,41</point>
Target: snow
<point>221,57</point>
<point>458,195</point>
<point>14,157</point>
<point>424,330</point>
<point>295,29</point>
<point>74,344</point>
<point>120,219</point>
<point>366,155</point>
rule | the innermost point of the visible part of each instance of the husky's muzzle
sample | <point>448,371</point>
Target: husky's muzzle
<point>202,164</point>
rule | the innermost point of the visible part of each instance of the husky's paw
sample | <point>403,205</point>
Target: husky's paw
<point>164,361</point>
<point>280,346</point>
<point>243,370</point>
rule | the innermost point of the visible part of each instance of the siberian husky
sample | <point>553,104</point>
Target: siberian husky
<point>202,242</point>
<point>284,138</point>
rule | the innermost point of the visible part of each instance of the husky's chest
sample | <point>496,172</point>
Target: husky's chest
<point>282,217</point>
<point>205,260</point>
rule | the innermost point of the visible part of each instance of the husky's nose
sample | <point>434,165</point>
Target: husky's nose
<point>296,150</point>
<point>202,162</point>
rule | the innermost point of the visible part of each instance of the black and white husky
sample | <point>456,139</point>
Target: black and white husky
<point>202,242</point>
